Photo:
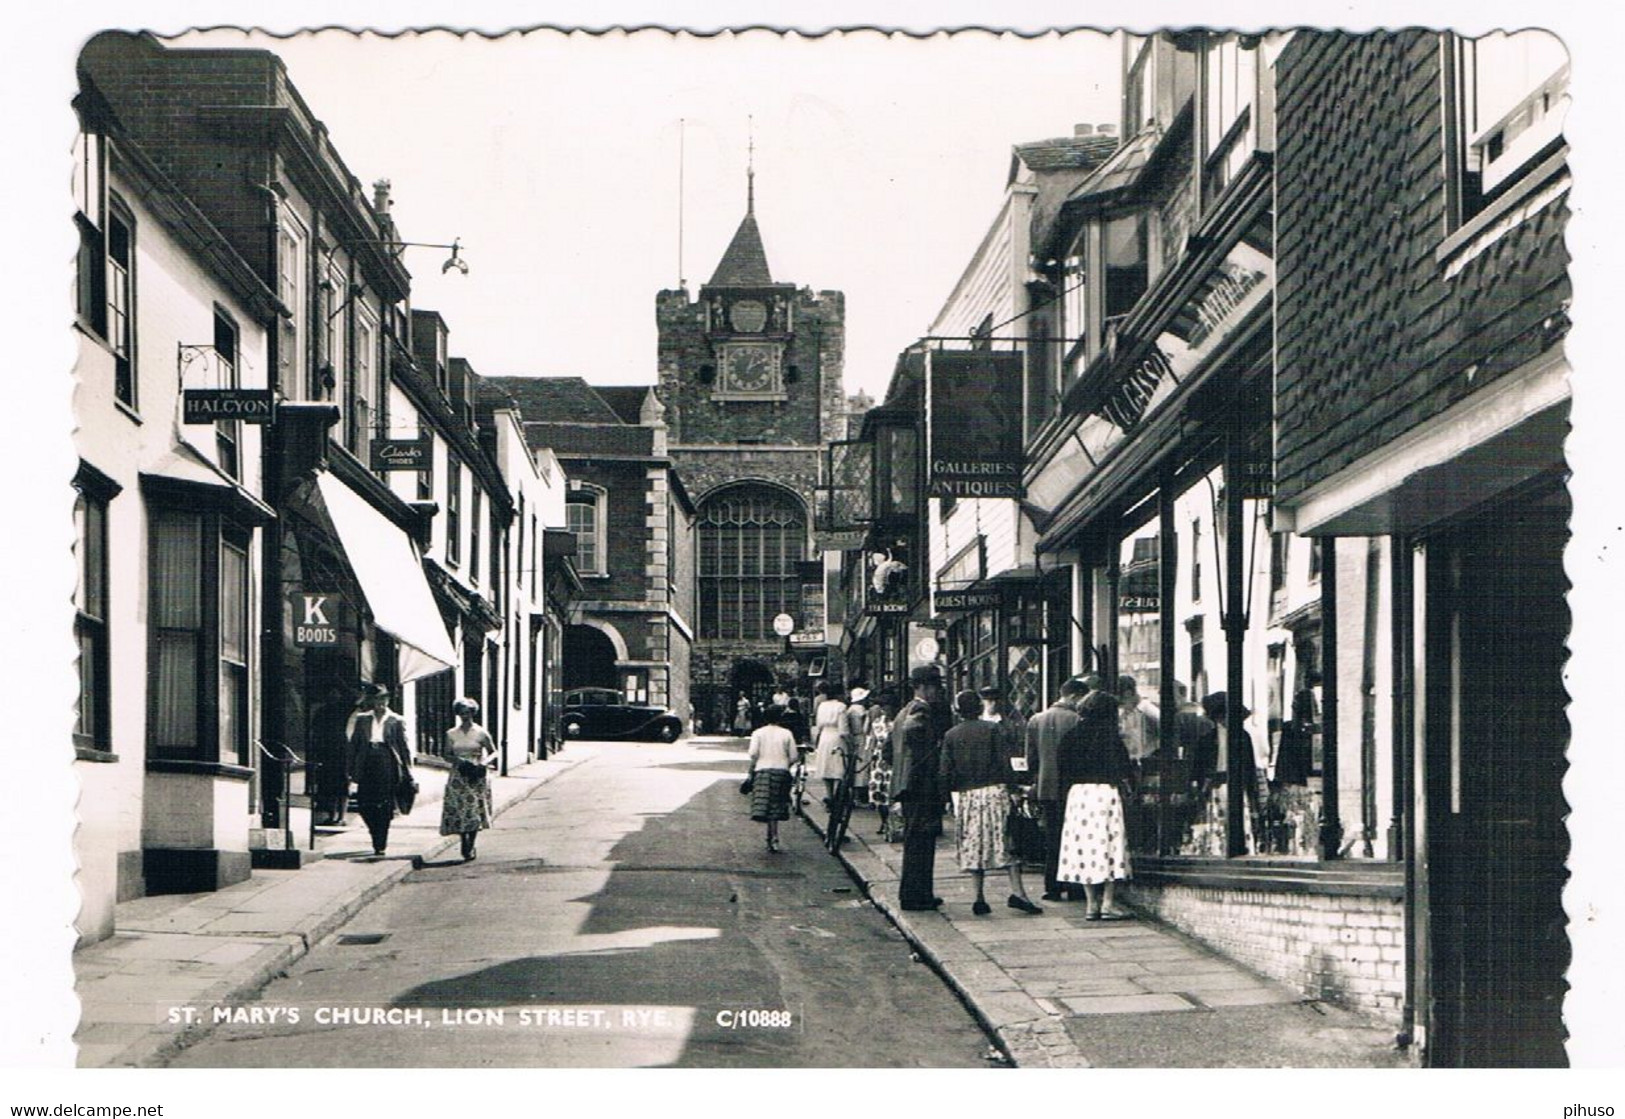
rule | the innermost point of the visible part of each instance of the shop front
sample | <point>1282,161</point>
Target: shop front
<point>352,606</point>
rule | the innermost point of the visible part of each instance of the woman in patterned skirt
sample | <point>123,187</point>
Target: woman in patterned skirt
<point>773,754</point>
<point>878,746</point>
<point>466,809</point>
<point>1094,847</point>
<point>975,767</point>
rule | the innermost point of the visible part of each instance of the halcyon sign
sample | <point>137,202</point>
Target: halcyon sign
<point>973,423</point>
<point>315,619</point>
<point>402,454</point>
<point>207,406</point>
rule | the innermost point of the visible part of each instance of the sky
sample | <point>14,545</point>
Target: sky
<point>880,162</point>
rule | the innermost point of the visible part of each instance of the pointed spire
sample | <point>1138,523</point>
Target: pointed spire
<point>745,262</point>
<point>750,172</point>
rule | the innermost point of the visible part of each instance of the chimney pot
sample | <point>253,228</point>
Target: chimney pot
<point>380,196</point>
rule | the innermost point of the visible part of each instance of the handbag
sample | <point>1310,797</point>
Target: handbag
<point>748,784</point>
<point>406,795</point>
<point>470,771</point>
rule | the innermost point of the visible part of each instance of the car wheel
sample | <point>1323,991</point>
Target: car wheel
<point>668,733</point>
<point>572,729</point>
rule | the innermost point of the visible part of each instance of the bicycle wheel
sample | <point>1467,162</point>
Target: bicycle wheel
<point>840,813</point>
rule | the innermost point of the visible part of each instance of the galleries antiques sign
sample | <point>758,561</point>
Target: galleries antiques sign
<point>973,426</point>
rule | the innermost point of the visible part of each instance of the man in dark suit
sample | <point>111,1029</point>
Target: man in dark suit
<point>1052,739</point>
<point>916,742</point>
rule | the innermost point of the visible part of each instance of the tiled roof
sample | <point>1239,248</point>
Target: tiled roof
<point>1067,153</point>
<point>1123,169</point>
<point>745,262</point>
<point>627,400</point>
<point>557,400</point>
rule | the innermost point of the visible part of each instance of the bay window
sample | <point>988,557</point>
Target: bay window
<point>1509,93</point>
<point>200,637</point>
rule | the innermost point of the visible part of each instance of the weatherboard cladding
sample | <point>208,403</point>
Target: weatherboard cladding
<point>1373,338</point>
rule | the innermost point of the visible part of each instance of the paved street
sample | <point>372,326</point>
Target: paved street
<point>609,920</point>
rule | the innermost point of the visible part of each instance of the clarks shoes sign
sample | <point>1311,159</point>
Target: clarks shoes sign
<point>207,406</point>
<point>402,454</point>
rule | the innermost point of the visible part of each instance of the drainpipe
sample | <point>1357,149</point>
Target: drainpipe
<point>1331,823</point>
<point>1235,634</point>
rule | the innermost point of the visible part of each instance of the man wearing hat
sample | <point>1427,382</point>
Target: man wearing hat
<point>916,742</point>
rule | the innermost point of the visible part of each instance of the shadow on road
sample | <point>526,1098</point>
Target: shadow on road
<point>702,916</point>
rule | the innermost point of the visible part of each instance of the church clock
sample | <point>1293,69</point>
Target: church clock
<point>750,370</point>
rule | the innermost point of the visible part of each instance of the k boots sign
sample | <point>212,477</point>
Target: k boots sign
<point>973,423</point>
<point>315,616</point>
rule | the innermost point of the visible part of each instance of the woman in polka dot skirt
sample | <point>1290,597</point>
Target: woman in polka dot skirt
<point>1094,848</point>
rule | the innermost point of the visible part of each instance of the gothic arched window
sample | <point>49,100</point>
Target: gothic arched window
<point>751,539</point>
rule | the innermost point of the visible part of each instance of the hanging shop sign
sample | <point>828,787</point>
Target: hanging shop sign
<point>888,590</point>
<point>315,619</point>
<point>402,454</point>
<point>960,601</point>
<point>973,423</point>
<point>839,541</point>
<point>207,406</point>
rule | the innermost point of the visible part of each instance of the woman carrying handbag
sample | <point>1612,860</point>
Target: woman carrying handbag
<point>466,809</point>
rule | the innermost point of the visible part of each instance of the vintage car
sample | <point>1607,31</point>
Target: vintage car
<point>603,713</point>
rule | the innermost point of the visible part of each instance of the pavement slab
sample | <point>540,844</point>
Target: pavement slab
<point>215,948</point>
<point>1059,991</point>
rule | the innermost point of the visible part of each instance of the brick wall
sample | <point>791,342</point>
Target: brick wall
<point>1345,950</point>
<point>811,410</point>
<point>1375,334</point>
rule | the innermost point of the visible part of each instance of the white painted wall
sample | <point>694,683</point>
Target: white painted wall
<point>175,298</point>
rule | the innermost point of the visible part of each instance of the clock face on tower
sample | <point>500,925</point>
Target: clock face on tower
<point>750,370</point>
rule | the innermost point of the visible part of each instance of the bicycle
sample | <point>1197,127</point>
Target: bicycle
<point>840,805</point>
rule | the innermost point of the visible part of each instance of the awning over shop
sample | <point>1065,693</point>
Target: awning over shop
<point>390,574</point>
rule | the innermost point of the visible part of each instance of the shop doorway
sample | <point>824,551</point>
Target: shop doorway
<point>1495,742</point>
<point>589,659</point>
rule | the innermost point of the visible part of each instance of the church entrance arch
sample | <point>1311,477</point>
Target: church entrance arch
<point>589,659</point>
<point>754,680</point>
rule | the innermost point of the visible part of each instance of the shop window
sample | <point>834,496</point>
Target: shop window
<point>434,698</point>
<point>454,509</point>
<point>584,515</point>
<point>1058,627</point>
<point>228,434</point>
<point>198,612</point>
<point>120,289</point>
<point>92,725</point>
<point>1510,95</point>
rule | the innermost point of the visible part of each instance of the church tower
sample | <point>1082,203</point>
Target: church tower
<point>750,377</point>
